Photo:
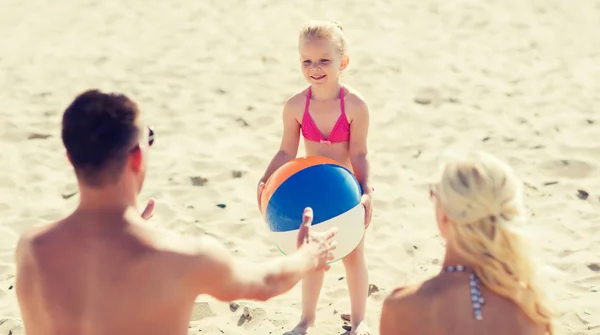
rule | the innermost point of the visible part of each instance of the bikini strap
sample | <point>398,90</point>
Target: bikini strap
<point>342,100</point>
<point>477,300</point>
<point>307,100</point>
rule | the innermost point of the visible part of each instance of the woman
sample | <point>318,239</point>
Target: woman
<point>487,283</point>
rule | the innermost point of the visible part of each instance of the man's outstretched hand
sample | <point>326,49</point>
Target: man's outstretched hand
<point>320,245</point>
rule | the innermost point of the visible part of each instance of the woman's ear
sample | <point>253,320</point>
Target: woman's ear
<point>442,221</point>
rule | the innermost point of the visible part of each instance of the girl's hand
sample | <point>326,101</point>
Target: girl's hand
<point>259,190</point>
<point>367,201</point>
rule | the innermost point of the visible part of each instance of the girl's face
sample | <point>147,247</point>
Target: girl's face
<point>321,62</point>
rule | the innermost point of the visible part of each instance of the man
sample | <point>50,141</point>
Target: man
<point>102,271</point>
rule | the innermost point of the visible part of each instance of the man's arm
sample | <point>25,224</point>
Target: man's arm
<point>226,278</point>
<point>217,273</point>
<point>25,285</point>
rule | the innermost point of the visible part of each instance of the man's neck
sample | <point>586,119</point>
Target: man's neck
<point>113,198</point>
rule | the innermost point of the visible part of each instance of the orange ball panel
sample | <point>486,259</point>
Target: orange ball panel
<point>287,170</point>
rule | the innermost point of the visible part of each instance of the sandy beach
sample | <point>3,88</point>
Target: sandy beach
<point>516,78</point>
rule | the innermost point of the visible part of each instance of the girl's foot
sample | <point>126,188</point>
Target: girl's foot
<point>302,328</point>
<point>360,329</point>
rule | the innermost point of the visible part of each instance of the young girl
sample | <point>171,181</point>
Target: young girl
<point>334,121</point>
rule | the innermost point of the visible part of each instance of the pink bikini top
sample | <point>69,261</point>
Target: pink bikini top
<point>340,131</point>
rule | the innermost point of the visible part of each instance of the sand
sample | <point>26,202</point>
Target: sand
<point>516,78</point>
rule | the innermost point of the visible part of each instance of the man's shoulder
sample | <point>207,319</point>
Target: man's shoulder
<point>30,250</point>
<point>35,234</point>
<point>184,247</point>
<point>192,257</point>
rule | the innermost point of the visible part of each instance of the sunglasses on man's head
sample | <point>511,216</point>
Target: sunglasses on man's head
<point>150,136</point>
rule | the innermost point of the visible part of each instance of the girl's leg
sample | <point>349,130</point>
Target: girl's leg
<point>311,289</point>
<point>357,278</point>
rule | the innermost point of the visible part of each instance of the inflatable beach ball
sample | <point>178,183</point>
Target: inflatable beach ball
<point>332,192</point>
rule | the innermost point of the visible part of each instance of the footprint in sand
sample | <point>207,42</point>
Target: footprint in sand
<point>571,168</point>
<point>337,293</point>
<point>8,238</point>
<point>11,326</point>
<point>251,317</point>
<point>201,311</point>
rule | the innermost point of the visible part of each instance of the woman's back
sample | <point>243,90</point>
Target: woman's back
<point>443,306</point>
<point>488,284</point>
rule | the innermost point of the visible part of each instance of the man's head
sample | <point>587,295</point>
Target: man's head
<point>105,139</point>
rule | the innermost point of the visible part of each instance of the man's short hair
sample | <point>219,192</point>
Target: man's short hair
<point>99,130</point>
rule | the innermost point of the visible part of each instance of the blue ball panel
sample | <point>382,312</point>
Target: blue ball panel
<point>328,189</point>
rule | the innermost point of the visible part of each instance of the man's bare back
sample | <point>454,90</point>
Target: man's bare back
<point>442,306</point>
<point>105,273</point>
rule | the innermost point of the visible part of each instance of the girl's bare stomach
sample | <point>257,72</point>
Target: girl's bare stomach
<point>336,151</point>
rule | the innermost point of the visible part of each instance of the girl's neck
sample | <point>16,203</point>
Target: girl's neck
<point>325,92</point>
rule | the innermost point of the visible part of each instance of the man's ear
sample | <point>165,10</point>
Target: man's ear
<point>69,158</point>
<point>136,159</point>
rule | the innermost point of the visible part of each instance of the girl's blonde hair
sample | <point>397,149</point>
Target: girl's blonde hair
<point>327,30</point>
<point>482,198</point>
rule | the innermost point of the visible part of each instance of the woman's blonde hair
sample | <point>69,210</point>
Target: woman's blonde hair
<point>482,197</point>
<point>326,30</point>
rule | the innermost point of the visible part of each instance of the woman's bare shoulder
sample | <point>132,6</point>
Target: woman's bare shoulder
<point>401,313</point>
<point>403,293</point>
<point>413,298</point>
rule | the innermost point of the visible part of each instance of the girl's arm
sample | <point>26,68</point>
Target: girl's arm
<point>288,149</point>
<point>359,129</point>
